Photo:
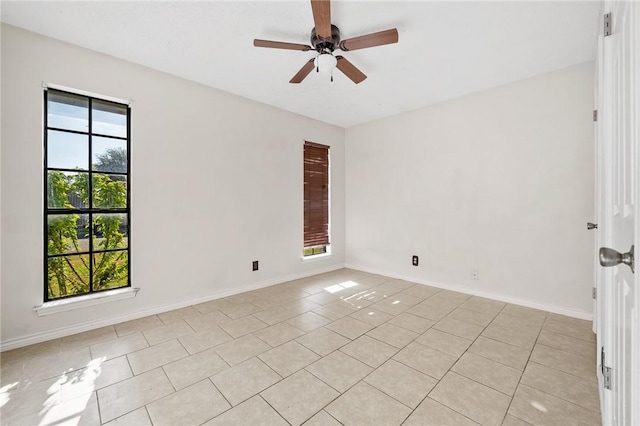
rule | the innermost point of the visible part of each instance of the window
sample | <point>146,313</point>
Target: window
<point>316,199</point>
<point>86,197</point>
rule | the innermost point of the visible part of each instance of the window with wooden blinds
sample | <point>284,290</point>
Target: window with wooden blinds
<point>316,196</point>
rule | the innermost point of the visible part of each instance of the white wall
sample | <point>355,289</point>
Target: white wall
<point>499,181</point>
<point>216,183</point>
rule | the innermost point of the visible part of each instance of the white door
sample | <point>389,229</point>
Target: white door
<point>618,322</point>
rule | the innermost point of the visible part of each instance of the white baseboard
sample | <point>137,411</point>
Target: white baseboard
<point>513,300</point>
<point>9,344</point>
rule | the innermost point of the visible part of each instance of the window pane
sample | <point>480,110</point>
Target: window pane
<point>110,270</point>
<point>109,155</point>
<point>109,191</point>
<point>109,119</point>
<point>66,190</point>
<point>67,275</point>
<point>67,233</point>
<point>67,111</point>
<point>110,231</point>
<point>67,150</point>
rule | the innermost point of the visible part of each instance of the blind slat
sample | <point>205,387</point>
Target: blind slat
<point>316,194</point>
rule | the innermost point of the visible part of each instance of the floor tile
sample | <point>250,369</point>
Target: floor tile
<point>524,325</point>
<point>118,347</point>
<point>510,420</point>
<point>137,325</point>
<point>421,291</point>
<point>459,328</point>
<point>288,358</point>
<point>322,419</point>
<point>390,306</point>
<point>242,326</point>
<point>393,335</point>
<point>500,352</point>
<point>427,360</point>
<point>482,305</point>
<point>278,334</point>
<point>211,306</point>
<point>133,393</point>
<point>323,341</point>
<point>205,322</point>
<point>471,399</point>
<point>568,344</point>
<point>90,337</point>
<point>472,317</point>
<point>190,406</point>
<point>539,408</point>
<point>55,363</point>
<point>365,405</point>
<point>156,356</point>
<point>432,413</point>
<point>510,336</point>
<point>245,380</point>
<point>411,322</point>
<point>371,316</point>
<point>433,312</point>
<point>82,410</point>
<point>308,321</point>
<point>274,316</point>
<point>444,342</point>
<point>338,370</point>
<point>334,311</point>
<point>167,332</point>
<point>490,373</point>
<point>369,350</point>
<point>178,314</point>
<point>299,396</point>
<point>235,311</point>
<point>205,339</point>
<point>241,349</point>
<point>563,385</point>
<point>97,375</point>
<point>405,384</point>
<point>350,328</point>
<point>194,368</point>
<point>30,398</point>
<point>322,298</point>
<point>525,312</point>
<point>137,417</point>
<point>564,361</point>
<point>254,412</point>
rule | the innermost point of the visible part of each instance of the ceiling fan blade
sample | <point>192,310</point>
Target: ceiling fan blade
<point>304,71</point>
<point>280,45</point>
<point>350,70</point>
<point>322,17</point>
<point>370,40</point>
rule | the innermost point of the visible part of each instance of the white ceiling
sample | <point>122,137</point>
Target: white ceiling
<point>446,49</point>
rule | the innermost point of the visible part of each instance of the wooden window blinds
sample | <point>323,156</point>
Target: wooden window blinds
<point>316,194</point>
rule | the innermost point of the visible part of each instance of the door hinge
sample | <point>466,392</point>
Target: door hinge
<point>607,24</point>
<point>606,375</point>
<point>595,115</point>
<point>606,371</point>
<point>593,293</point>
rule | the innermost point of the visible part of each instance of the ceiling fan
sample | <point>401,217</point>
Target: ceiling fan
<point>325,38</point>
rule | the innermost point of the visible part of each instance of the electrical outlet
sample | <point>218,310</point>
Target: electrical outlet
<point>414,260</point>
<point>255,265</point>
<point>475,275</point>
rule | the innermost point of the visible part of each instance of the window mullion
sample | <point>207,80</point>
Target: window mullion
<point>90,224</point>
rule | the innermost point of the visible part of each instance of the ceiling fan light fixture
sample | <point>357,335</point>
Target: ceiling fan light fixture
<point>325,62</point>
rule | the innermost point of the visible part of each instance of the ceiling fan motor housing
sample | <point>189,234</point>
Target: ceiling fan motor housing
<point>324,45</point>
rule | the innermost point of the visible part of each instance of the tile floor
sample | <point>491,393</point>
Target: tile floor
<point>344,347</point>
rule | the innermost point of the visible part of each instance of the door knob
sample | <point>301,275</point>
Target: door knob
<point>591,226</point>
<point>610,257</point>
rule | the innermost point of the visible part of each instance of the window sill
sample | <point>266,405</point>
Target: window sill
<point>64,305</point>
<point>315,257</point>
